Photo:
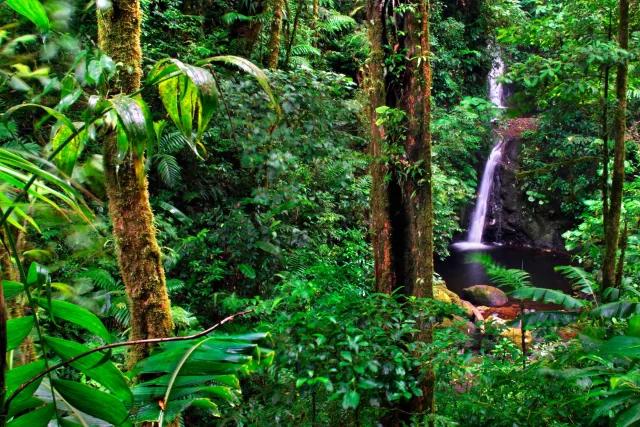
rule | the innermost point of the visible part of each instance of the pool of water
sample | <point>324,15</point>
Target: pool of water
<point>459,274</point>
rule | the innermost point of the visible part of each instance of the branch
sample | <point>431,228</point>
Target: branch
<point>122,344</point>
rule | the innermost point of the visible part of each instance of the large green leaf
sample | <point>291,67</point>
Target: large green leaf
<point>66,159</point>
<point>20,375</point>
<point>189,95</point>
<point>96,366</point>
<point>253,70</point>
<point>17,330</point>
<point>77,315</point>
<point>134,126</point>
<point>194,373</point>
<point>93,402</point>
<point>622,345</point>
<point>38,418</point>
<point>617,309</point>
<point>548,295</point>
<point>33,11</point>
<point>630,417</point>
<point>548,318</point>
<point>11,289</point>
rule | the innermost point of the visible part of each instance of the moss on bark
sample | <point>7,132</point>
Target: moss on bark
<point>139,255</point>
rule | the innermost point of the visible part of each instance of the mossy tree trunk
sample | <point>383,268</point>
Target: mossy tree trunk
<point>139,255</point>
<point>617,176</point>
<point>401,194</point>
<point>275,36</point>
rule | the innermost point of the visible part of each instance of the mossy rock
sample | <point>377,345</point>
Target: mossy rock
<point>486,295</point>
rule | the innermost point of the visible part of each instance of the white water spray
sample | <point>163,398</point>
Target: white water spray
<point>479,216</point>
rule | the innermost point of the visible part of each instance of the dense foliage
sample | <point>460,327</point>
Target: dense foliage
<point>258,180</point>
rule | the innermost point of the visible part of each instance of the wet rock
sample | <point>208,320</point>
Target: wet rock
<point>486,295</point>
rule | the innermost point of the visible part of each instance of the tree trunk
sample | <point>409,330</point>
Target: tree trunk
<point>617,178</point>
<point>292,35</point>
<point>139,255</point>
<point>401,194</point>
<point>276,31</point>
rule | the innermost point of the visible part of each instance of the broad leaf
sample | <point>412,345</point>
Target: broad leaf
<point>77,315</point>
<point>93,402</point>
<point>38,418</point>
<point>33,11</point>
<point>20,375</point>
<point>548,318</point>
<point>17,330</point>
<point>548,295</point>
<point>11,289</point>
<point>189,95</point>
<point>96,366</point>
<point>66,159</point>
<point>617,309</point>
<point>253,70</point>
<point>622,346</point>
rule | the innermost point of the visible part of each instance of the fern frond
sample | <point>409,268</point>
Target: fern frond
<point>168,169</point>
<point>172,142</point>
<point>305,50</point>
<point>103,280</point>
<point>335,23</point>
<point>512,278</point>
<point>580,279</point>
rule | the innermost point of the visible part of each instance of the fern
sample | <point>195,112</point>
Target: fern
<point>168,169</point>
<point>581,280</point>
<point>335,23</point>
<point>511,278</point>
<point>103,280</point>
<point>305,50</point>
<point>172,142</point>
<point>233,17</point>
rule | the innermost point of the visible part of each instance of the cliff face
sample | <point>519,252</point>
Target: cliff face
<point>510,221</point>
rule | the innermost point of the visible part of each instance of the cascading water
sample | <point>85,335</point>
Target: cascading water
<point>479,216</point>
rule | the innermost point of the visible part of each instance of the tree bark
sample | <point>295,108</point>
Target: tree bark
<point>617,178</point>
<point>401,194</point>
<point>139,255</point>
<point>276,31</point>
<point>292,35</point>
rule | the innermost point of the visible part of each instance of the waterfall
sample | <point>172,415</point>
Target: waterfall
<point>479,216</point>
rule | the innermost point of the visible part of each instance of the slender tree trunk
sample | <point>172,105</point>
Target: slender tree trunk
<point>624,238</point>
<point>617,178</point>
<point>605,138</point>
<point>139,255</point>
<point>3,354</point>
<point>292,35</point>
<point>380,198</point>
<point>401,195</point>
<point>276,31</point>
<point>314,21</point>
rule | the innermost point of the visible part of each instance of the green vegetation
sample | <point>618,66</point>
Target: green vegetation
<point>244,213</point>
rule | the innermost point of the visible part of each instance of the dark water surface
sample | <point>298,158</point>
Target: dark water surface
<point>459,274</point>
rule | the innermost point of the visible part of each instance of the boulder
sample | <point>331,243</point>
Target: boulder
<point>486,295</point>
